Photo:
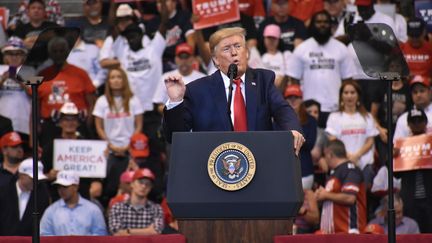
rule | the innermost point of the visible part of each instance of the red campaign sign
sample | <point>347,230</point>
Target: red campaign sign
<point>215,12</point>
<point>4,17</point>
<point>414,153</point>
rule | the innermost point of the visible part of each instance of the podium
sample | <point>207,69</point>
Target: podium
<point>234,186</point>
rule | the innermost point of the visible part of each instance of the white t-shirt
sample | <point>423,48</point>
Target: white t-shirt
<point>161,96</point>
<point>322,69</point>
<point>276,62</point>
<point>353,130</point>
<point>376,18</point>
<point>144,67</point>
<point>402,130</point>
<point>86,56</point>
<point>118,126</point>
<point>15,103</point>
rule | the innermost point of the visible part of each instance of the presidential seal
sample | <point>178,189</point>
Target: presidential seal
<point>231,166</point>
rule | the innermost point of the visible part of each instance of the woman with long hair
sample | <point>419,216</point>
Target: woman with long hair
<point>355,127</point>
<point>118,115</point>
<point>294,96</point>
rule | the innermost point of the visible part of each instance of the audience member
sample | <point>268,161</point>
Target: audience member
<point>365,12</point>
<point>400,22</point>
<point>416,190</point>
<point>17,201</point>
<point>123,193</point>
<point>184,62</point>
<point>337,11</point>
<point>304,10</point>
<point>141,157</point>
<point>344,196</point>
<point>273,59</point>
<point>322,63</point>
<point>308,216</point>
<point>86,56</point>
<point>421,97</point>
<point>12,91</point>
<point>313,108</point>
<point>94,27</point>
<point>13,153</point>
<point>404,225</point>
<point>178,30</point>
<point>95,192</point>
<point>124,16</point>
<point>36,23</point>
<point>417,51</point>
<point>138,215</point>
<point>355,127</point>
<point>293,95</point>
<point>68,120</point>
<point>380,183</point>
<point>293,30</point>
<point>118,115</point>
<point>401,100</point>
<point>71,214</point>
<point>254,9</point>
<point>71,84</point>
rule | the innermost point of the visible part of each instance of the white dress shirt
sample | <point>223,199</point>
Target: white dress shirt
<point>23,198</point>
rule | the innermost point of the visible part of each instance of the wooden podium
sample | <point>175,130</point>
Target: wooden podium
<point>255,213</point>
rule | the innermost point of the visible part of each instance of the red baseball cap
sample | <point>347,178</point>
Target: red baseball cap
<point>363,2</point>
<point>10,139</point>
<point>293,90</point>
<point>183,48</point>
<point>126,177</point>
<point>139,147</point>
<point>143,173</point>
<point>420,79</point>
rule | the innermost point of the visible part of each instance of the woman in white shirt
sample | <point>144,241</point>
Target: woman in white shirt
<point>355,127</point>
<point>118,115</point>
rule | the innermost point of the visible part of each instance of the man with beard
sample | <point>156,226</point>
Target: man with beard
<point>322,63</point>
<point>13,153</point>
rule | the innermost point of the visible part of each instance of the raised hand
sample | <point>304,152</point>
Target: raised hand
<point>175,88</point>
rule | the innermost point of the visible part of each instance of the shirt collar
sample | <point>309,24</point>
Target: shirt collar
<point>63,203</point>
<point>226,79</point>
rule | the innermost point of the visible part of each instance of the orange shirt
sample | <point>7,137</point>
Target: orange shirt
<point>71,84</point>
<point>304,9</point>
<point>419,60</point>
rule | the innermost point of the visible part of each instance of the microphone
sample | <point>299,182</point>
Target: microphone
<point>232,74</point>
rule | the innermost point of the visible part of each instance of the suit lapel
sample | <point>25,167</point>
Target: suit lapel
<point>217,90</point>
<point>251,85</point>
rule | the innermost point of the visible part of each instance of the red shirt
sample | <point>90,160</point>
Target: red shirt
<point>419,60</point>
<point>71,84</point>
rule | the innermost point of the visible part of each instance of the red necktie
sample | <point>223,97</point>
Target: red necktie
<point>240,117</point>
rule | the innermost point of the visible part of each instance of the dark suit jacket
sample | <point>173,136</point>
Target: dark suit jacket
<point>205,106</point>
<point>10,224</point>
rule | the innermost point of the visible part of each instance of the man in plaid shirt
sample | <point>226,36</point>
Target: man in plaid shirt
<point>138,215</point>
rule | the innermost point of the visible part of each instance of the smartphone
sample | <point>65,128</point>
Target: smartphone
<point>12,72</point>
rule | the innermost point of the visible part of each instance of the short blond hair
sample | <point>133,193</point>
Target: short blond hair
<point>221,34</point>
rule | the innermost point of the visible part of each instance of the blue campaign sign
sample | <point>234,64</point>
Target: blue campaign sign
<point>423,9</point>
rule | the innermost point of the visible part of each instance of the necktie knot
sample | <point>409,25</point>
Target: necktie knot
<point>237,82</point>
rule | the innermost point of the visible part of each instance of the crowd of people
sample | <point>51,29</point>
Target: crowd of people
<point>111,87</point>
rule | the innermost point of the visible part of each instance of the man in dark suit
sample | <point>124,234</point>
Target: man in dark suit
<point>202,105</point>
<point>16,201</point>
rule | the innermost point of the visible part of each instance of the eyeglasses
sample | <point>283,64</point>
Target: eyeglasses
<point>145,182</point>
